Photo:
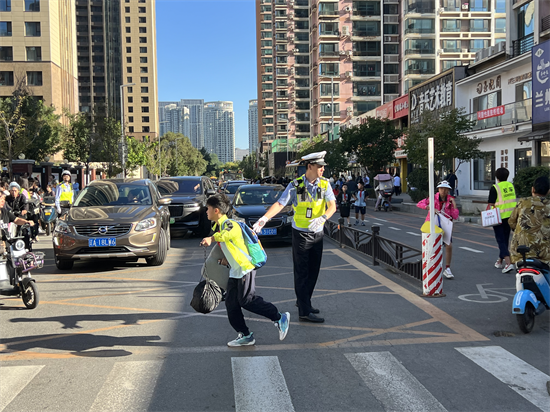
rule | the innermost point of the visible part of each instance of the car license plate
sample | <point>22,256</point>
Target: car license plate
<point>268,232</point>
<point>102,242</point>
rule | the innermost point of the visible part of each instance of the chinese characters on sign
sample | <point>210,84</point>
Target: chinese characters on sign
<point>488,85</point>
<point>493,112</point>
<point>434,96</point>
<point>401,107</point>
<point>541,83</point>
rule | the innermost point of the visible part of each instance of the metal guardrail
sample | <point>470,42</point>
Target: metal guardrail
<point>393,255</point>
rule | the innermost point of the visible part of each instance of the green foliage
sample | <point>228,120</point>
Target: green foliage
<point>418,179</point>
<point>525,178</point>
<point>77,138</point>
<point>136,154</point>
<point>372,142</point>
<point>248,166</point>
<point>335,158</point>
<point>449,140</point>
<point>213,164</point>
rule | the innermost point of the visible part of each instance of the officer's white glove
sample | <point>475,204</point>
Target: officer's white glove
<point>316,224</point>
<point>258,226</point>
<point>59,211</point>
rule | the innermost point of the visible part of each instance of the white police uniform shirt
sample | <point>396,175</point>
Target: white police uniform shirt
<point>290,195</point>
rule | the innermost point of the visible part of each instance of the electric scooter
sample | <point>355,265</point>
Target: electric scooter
<point>533,290</point>
<point>48,214</point>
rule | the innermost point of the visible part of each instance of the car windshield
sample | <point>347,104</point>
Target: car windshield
<point>266,195</point>
<point>232,189</point>
<point>186,187</point>
<point>111,194</point>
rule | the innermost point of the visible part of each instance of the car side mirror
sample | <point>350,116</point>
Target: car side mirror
<point>210,192</point>
<point>164,201</point>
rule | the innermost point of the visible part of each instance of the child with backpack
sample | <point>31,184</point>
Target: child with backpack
<point>240,293</point>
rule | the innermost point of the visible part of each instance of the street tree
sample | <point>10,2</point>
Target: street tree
<point>248,166</point>
<point>336,159</point>
<point>372,142</point>
<point>186,159</point>
<point>136,154</point>
<point>77,137</point>
<point>450,141</point>
<point>213,164</point>
<point>12,124</point>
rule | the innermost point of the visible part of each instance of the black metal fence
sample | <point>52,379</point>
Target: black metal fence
<point>392,254</point>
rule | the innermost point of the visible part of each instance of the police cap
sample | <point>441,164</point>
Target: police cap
<point>315,158</point>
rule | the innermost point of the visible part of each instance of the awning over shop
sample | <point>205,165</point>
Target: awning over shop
<point>539,135</point>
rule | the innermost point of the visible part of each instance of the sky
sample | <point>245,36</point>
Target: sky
<point>206,49</point>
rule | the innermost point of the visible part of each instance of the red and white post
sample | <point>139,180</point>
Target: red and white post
<point>432,243</point>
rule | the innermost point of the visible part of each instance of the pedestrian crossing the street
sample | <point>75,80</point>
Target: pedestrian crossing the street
<point>259,383</point>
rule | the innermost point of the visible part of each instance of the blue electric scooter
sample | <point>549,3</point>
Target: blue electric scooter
<point>533,290</point>
<point>48,214</point>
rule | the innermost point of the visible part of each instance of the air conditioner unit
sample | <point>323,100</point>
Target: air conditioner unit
<point>349,53</point>
<point>291,71</point>
<point>342,52</point>
<point>387,38</point>
<point>349,109</point>
<point>439,51</point>
<point>345,30</point>
<point>348,74</point>
<point>291,118</point>
<point>290,38</point>
<point>464,50</point>
<point>295,50</point>
<point>440,10</point>
<point>290,15</point>
<point>348,8</point>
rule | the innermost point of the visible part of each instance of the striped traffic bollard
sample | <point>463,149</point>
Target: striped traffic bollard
<point>432,265</point>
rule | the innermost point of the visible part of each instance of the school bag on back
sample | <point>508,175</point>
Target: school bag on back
<point>255,252</point>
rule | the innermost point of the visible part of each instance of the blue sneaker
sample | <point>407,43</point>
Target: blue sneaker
<point>242,340</point>
<point>283,324</point>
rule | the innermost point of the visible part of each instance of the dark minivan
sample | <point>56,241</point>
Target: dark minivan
<point>188,206</point>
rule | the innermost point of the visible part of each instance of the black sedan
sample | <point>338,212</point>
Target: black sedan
<point>252,201</point>
<point>230,188</point>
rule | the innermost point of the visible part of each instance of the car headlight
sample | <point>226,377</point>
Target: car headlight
<point>190,205</point>
<point>61,227</point>
<point>19,245</point>
<point>146,224</point>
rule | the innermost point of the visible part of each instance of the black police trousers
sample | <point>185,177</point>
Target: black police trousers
<point>307,252</point>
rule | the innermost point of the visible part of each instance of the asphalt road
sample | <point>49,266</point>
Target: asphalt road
<point>124,338</point>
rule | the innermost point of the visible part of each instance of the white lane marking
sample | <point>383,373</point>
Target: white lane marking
<point>523,378</point>
<point>414,234</point>
<point>260,385</point>
<point>392,384</point>
<point>128,387</point>
<point>393,228</point>
<point>14,379</point>
<point>382,220</point>
<point>470,249</point>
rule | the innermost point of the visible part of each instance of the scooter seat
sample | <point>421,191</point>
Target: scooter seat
<point>533,263</point>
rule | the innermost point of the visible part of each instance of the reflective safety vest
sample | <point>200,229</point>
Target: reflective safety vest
<point>506,199</point>
<point>317,203</point>
<point>66,193</point>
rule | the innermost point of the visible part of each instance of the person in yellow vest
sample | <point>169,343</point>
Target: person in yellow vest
<point>64,192</point>
<point>314,203</point>
<point>503,196</point>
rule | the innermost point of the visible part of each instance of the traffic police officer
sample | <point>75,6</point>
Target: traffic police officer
<point>314,203</point>
<point>64,192</point>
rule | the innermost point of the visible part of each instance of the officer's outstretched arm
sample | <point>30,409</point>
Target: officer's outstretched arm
<point>331,208</point>
<point>272,211</point>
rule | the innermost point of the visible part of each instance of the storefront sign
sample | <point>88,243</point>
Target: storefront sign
<point>488,85</point>
<point>400,153</point>
<point>434,96</point>
<point>493,112</point>
<point>385,111</point>
<point>541,82</point>
<point>518,79</point>
<point>401,107</point>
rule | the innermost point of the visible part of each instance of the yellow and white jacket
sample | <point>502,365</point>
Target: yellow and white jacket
<point>232,243</point>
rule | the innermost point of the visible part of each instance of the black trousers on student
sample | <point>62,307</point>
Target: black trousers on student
<point>240,295</point>
<point>307,252</point>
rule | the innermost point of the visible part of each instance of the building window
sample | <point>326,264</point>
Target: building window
<point>32,29</point>
<point>522,158</point>
<point>143,69</point>
<point>478,44</point>
<point>130,89</point>
<point>366,89</point>
<point>326,109</point>
<point>127,9</point>
<point>130,109</point>
<point>143,19</point>
<point>487,101</point>
<point>500,6</point>
<point>479,25</point>
<point>127,19</point>
<point>144,80</point>
<point>143,39</point>
<point>500,25</point>
<point>143,29</point>
<point>128,80</point>
<point>363,107</point>
<point>141,10</point>
<point>128,60</point>
<point>128,50</point>
<point>328,69</point>
<point>145,89</point>
<point>524,91</point>
<point>130,99</point>
<point>34,54</point>
<point>34,78</point>
<point>6,54</point>
<point>145,119</point>
<point>145,129</point>
<point>143,49</point>
<point>32,5</point>
<point>128,70</point>
<point>5,5</point>
<point>484,172</point>
<point>5,28</point>
<point>144,99</point>
<point>145,109</point>
<point>128,40</point>
<point>6,78</point>
<point>391,88</point>
<point>128,29</point>
<point>131,129</point>
<point>143,59</point>
<point>131,119</point>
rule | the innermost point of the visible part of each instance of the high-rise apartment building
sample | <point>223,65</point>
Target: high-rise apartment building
<point>38,50</point>
<point>252,126</point>
<point>175,119</point>
<point>219,130</point>
<point>196,119</point>
<point>117,46</point>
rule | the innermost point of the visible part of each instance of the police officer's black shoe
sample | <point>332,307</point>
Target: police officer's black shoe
<point>313,310</point>
<point>312,318</point>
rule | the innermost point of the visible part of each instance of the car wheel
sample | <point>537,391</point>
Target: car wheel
<point>160,257</point>
<point>63,264</point>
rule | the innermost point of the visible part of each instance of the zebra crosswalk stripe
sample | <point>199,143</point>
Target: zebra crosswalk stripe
<point>260,385</point>
<point>523,378</point>
<point>14,379</point>
<point>392,384</point>
<point>128,387</point>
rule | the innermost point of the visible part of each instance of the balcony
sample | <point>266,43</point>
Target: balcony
<point>419,51</point>
<point>366,13</point>
<point>479,29</point>
<point>301,3</point>
<point>366,33</point>
<point>329,33</point>
<point>366,53</point>
<point>451,9</point>
<point>517,112</point>
<point>361,73</point>
<point>521,46</point>
<point>328,13</point>
<point>450,29</point>
<point>335,53</point>
<point>419,71</point>
<point>448,50</point>
<point>421,31</point>
<point>420,10</point>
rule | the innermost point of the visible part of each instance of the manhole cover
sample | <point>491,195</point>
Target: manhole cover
<point>503,334</point>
